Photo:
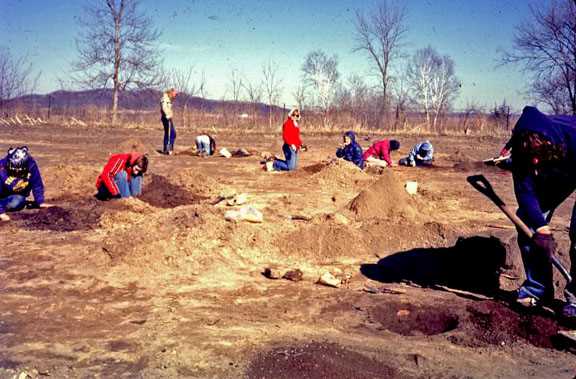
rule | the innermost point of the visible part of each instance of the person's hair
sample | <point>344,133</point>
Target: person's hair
<point>394,145</point>
<point>530,147</point>
<point>142,162</point>
<point>212,145</point>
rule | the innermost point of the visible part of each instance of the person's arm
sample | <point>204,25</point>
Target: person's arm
<point>115,164</point>
<point>413,153</point>
<point>340,152</point>
<point>357,156</point>
<point>386,155</point>
<point>37,184</point>
<point>429,155</point>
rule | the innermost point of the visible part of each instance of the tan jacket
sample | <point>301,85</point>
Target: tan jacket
<point>166,106</point>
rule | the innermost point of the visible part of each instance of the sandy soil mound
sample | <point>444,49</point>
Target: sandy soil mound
<point>337,173</point>
<point>198,183</point>
<point>384,199</point>
<point>70,181</point>
<point>317,360</point>
<point>134,144</point>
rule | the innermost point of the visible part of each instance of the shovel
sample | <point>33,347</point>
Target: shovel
<point>483,186</point>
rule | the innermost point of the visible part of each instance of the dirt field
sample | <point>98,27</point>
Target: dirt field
<point>164,287</point>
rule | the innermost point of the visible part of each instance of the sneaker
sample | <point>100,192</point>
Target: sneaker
<point>527,301</point>
<point>269,166</point>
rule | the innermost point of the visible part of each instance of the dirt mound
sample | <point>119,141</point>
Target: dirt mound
<point>317,360</point>
<point>411,320</point>
<point>62,219</point>
<point>133,144</point>
<point>492,323</point>
<point>70,181</point>
<point>159,192</point>
<point>384,199</point>
<point>193,181</point>
<point>337,173</point>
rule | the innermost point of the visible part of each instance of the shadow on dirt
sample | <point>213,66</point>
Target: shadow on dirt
<point>472,264</point>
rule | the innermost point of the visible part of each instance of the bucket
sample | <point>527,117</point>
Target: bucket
<point>411,187</point>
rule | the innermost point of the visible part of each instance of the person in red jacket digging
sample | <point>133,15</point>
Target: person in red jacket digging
<point>378,154</point>
<point>122,176</point>
<point>292,144</point>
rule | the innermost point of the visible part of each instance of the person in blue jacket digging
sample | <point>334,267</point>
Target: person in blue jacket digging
<point>544,174</point>
<point>350,150</point>
<point>19,176</point>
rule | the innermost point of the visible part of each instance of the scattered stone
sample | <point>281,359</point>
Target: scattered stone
<point>294,275</point>
<point>330,280</point>
<point>341,219</point>
<point>225,153</point>
<point>240,199</point>
<point>272,273</point>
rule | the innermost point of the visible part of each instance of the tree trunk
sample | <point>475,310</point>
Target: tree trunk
<point>117,61</point>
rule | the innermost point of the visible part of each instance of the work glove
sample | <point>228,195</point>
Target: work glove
<point>544,242</point>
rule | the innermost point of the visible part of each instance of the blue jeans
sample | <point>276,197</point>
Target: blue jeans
<point>538,268</point>
<point>13,203</point>
<point>419,162</point>
<point>204,148</point>
<point>291,160</point>
<point>169,134</point>
<point>127,188</point>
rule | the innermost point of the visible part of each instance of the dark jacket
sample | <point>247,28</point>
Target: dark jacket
<point>10,185</point>
<point>554,183</point>
<point>351,152</point>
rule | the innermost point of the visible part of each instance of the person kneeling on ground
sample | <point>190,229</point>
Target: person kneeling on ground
<point>122,176</point>
<point>205,145</point>
<point>292,144</point>
<point>543,160</point>
<point>378,154</point>
<point>19,175</point>
<point>350,150</point>
<point>421,154</point>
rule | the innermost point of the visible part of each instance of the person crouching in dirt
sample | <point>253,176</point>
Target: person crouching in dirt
<point>350,150</point>
<point>19,176</point>
<point>167,120</point>
<point>292,144</point>
<point>122,176</point>
<point>378,155</point>
<point>543,161</point>
<point>422,155</point>
<point>205,145</point>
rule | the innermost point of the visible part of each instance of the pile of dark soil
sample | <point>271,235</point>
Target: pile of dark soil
<point>384,199</point>
<point>317,360</point>
<point>63,219</point>
<point>159,192</point>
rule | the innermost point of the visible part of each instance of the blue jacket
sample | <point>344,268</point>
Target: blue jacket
<point>552,185</point>
<point>351,152</point>
<point>415,151</point>
<point>10,185</point>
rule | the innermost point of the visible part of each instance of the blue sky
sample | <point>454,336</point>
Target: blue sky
<point>218,36</point>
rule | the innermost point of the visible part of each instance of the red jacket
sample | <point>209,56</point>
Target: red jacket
<point>291,133</point>
<point>116,163</point>
<point>380,150</point>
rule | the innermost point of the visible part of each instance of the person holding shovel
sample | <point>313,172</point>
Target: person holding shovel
<point>167,120</point>
<point>543,161</point>
<point>292,144</point>
<point>19,176</point>
<point>122,176</point>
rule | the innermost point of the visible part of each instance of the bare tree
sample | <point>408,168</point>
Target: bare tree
<point>254,93</point>
<point>203,85</point>
<point>15,77</point>
<point>321,74</point>
<point>380,35</point>
<point>434,82</point>
<point>359,95</point>
<point>546,47</point>
<point>117,47</point>
<point>300,96</point>
<point>235,84</point>
<point>272,86</point>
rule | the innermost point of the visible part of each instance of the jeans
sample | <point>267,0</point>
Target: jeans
<point>127,188</point>
<point>419,162</point>
<point>291,160</point>
<point>203,147</point>
<point>538,268</point>
<point>169,134</point>
<point>13,203</point>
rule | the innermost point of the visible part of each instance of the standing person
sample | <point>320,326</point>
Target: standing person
<point>168,121</point>
<point>122,176</point>
<point>350,150</point>
<point>291,146</point>
<point>543,161</point>
<point>422,154</point>
<point>19,176</point>
<point>205,145</point>
<point>379,153</point>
